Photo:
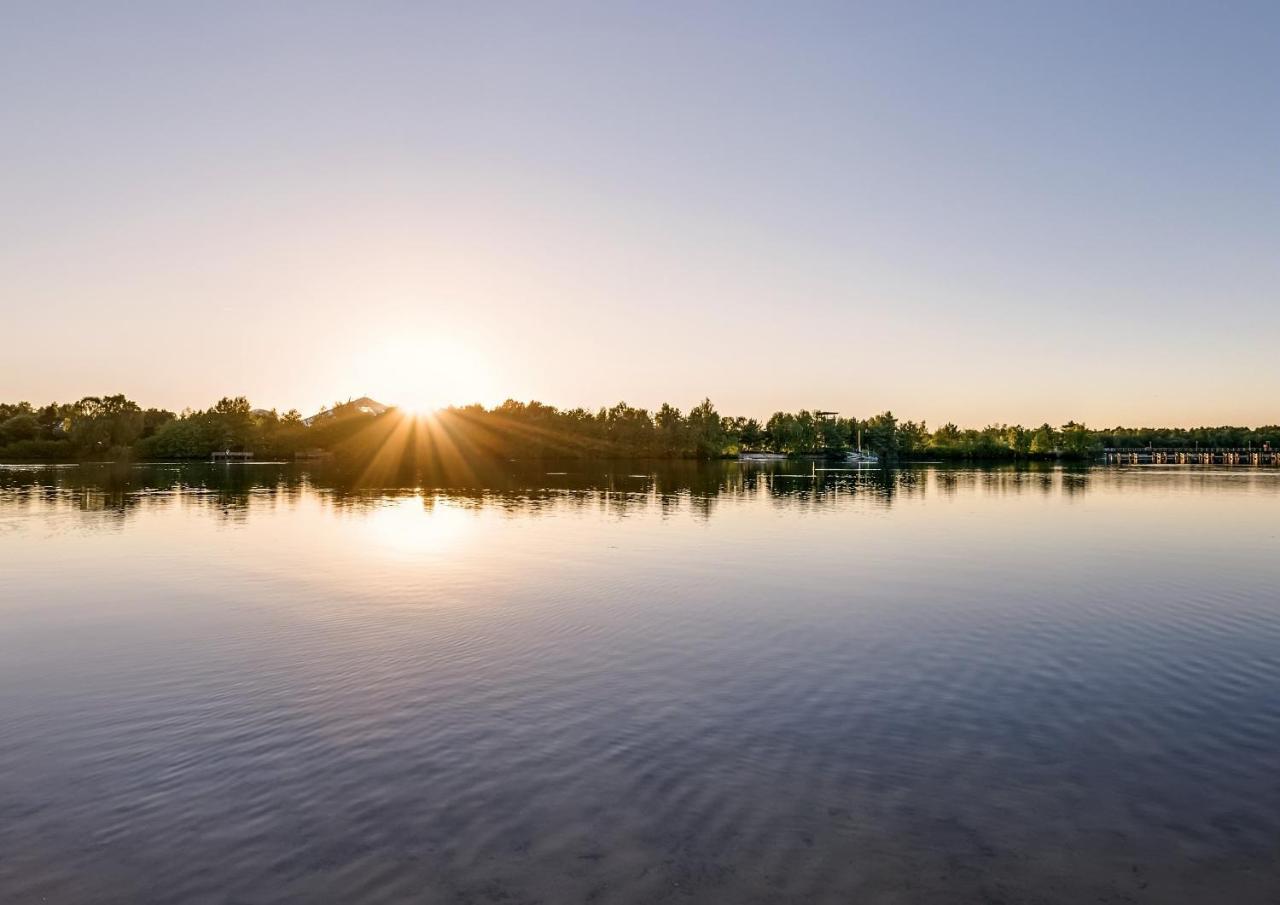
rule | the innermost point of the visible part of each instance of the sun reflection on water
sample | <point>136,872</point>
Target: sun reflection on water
<point>417,525</point>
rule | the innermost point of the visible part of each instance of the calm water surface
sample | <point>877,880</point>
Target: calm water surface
<point>635,683</point>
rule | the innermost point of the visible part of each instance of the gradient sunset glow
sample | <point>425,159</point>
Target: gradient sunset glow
<point>971,212</point>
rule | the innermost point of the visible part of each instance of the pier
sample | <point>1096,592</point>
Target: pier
<point>1185,456</point>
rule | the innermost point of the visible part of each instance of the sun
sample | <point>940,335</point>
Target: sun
<point>427,373</point>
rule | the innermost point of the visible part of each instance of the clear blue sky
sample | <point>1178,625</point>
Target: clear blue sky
<point>967,211</point>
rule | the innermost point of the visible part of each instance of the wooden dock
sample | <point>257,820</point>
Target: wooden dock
<point>1193,456</point>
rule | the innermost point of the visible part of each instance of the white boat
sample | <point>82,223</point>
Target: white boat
<point>761,457</point>
<point>861,457</point>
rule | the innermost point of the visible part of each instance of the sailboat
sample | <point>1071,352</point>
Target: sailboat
<point>860,456</point>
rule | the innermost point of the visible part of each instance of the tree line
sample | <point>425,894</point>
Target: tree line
<point>114,427</point>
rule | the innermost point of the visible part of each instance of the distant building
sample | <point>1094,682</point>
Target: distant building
<point>364,405</point>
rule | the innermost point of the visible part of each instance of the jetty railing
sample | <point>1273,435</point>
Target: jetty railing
<point>1192,456</point>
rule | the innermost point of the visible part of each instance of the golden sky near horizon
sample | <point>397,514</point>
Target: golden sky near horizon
<point>777,209</point>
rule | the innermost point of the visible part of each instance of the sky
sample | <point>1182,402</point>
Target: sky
<point>969,212</point>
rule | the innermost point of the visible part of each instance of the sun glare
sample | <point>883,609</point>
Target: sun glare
<point>413,526</point>
<point>425,375</point>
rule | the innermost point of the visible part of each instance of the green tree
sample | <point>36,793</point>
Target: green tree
<point>751,434</point>
<point>23,426</point>
<point>1077,441</point>
<point>913,438</point>
<point>782,432</point>
<point>880,435</point>
<point>1044,441</point>
<point>1018,439</point>
<point>670,428</point>
<point>706,431</point>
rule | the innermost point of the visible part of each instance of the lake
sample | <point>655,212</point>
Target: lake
<point>637,682</point>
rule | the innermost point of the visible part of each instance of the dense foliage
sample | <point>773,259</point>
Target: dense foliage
<point>116,427</point>
<point>96,425</point>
